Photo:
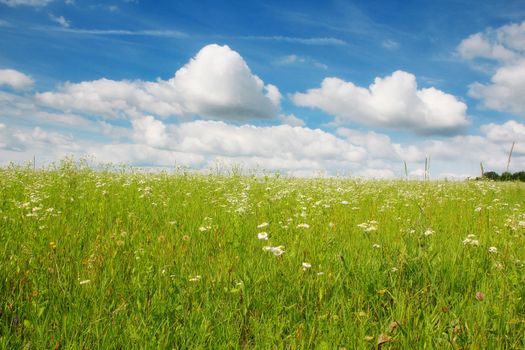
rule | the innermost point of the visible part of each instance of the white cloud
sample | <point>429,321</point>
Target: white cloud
<point>505,93</point>
<point>60,20</point>
<point>380,146</point>
<point>15,79</point>
<point>393,102</point>
<point>199,144</point>
<point>505,43</point>
<point>298,150</point>
<point>505,48</point>
<point>291,119</point>
<point>216,83</point>
<point>149,131</point>
<point>478,46</point>
<point>33,3</point>
<point>507,132</point>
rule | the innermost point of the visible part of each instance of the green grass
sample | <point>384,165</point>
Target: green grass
<point>109,259</point>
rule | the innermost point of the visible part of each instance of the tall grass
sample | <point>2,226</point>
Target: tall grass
<point>119,259</point>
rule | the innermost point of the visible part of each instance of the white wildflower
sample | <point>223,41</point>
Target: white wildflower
<point>376,246</point>
<point>195,278</point>
<point>277,251</point>
<point>429,232</point>
<point>85,282</point>
<point>263,236</point>
<point>303,226</point>
<point>264,224</point>
<point>493,250</point>
<point>470,241</point>
<point>306,266</point>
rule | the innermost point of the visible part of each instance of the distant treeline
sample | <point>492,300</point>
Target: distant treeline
<point>505,176</point>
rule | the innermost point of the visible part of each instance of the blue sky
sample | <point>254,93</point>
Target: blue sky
<point>335,87</point>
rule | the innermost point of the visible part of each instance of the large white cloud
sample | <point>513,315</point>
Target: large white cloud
<point>505,48</point>
<point>15,79</point>
<point>297,150</point>
<point>216,83</point>
<point>221,139</point>
<point>393,102</point>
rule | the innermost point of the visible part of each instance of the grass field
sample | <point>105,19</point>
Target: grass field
<point>114,259</point>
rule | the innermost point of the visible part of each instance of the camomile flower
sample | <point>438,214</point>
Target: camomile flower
<point>264,224</point>
<point>306,266</point>
<point>277,251</point>
<point>195,278</point>
<point>262,236</point>
<point>429,232</point>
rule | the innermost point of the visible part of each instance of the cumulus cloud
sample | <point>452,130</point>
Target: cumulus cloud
<point>380,146</point>
<point>505,47</point>
<point>505,43</point>
<point>393,102</point>
<point>201,144</point>
<point>33,3</point>
<point>216,83</point>
<point>15,79</point>
<point>149,131</point>
<point>284,141</point>
<point>505,92</point>
<point>478,46</point>
<point>507,132</point>
<point>297,150</point>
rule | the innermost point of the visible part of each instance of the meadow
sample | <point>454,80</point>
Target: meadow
<point>117,258</point>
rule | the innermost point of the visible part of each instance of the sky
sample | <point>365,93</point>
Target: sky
<point>304,88</point>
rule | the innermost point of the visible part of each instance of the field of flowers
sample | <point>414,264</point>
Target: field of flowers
<point>121,259</point>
